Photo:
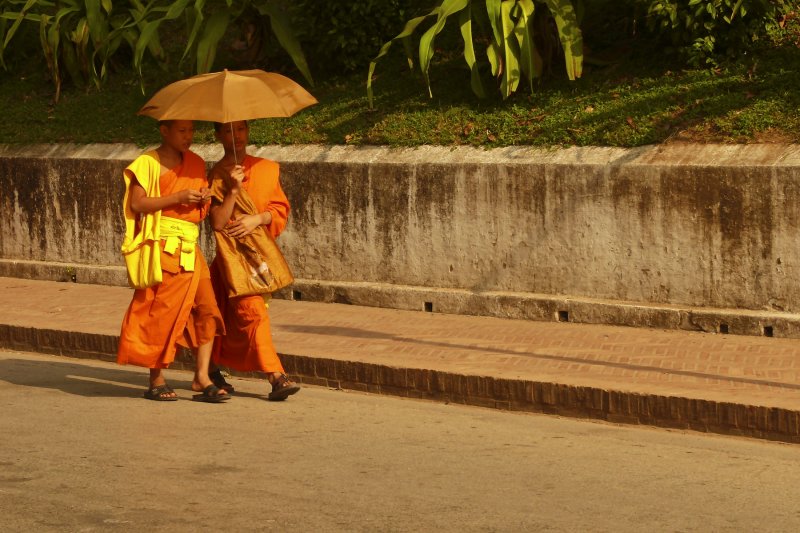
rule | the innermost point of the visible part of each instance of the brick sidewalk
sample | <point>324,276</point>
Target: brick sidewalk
<point>720,383</point>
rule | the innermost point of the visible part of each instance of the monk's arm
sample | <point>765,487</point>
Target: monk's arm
<point>141,203</point>
<point>245,224</point>
<point>265,218</point>
<point>221,213</point>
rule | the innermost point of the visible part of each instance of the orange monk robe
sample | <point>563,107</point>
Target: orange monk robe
<point>181,310</point>
<point>247,344</point>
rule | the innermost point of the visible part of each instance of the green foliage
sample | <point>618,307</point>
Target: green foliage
<point>80,38</point>
<point>515,33</point>
<point>635,97</point>
<point>708,31</point>
<point>787,31</point>
<point>342,35</point>
<point>258,24</point>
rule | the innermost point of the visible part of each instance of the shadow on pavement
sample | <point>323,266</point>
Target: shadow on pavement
<point>93,381</point>
<point>82,380</point>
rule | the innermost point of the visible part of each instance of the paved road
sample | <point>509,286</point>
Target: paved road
<point>81,451</point>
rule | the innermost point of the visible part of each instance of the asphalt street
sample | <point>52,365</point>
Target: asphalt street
<point>81,450</point>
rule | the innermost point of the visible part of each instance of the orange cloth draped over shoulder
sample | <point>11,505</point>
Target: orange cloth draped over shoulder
<point>247,343</point>
<point>181,310</point>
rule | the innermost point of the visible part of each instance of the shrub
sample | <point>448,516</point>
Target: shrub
<point>342,35</point>
<point>710,31</point>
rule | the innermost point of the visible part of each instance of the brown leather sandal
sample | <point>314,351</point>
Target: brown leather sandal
<point>161,393</point>
<point>282,388</point>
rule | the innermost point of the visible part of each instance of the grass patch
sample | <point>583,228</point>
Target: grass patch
<point>631,101</point>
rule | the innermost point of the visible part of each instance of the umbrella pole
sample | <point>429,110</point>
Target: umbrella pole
<point>233,143</point>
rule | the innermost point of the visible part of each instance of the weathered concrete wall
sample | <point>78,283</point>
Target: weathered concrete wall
<point>61,210</point>
<point>510,232</point>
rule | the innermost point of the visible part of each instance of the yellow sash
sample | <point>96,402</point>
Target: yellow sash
<point>177,232</point>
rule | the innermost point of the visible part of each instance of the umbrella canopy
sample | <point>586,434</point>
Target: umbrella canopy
<point>228,96</point>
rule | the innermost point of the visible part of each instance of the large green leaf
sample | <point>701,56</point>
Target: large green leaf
<point>71,61</point>
<point>282,28</point>
<point>50,54</point>
<point>81,39</point>
<point>530,60</point>
<point>147,36</point>
<point>207,45</point>
<point>18,18</point>
<point>120,26</point>
<point>570,35</point>
<point>509,76</point>
<point>494,10</point>
<point>52,42</point>
<point>3,29</point>
<point>734,10</point>
<point>130,36</point>
<point>98,26</point>
<point>196,17</point>
<point>495,49</point>
<point>403,36</point>
<point>176,9</point>
<point>493,54</point>
<point>448,7</point>
<point>465,23</point>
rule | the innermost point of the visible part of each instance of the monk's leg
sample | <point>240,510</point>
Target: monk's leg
<point>201,379</point>
<point>205,321</point>
<point>202,360</point>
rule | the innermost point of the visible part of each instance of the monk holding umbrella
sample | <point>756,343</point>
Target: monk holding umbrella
<point>249,209</point>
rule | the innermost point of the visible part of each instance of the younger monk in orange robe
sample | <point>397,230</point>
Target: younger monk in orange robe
<point>247,343</point>
<point>181,309</point>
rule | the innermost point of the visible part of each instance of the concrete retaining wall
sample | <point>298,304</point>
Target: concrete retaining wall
<point>700,237</point>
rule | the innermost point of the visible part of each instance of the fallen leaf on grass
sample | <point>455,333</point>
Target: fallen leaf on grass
<point>630,122</point>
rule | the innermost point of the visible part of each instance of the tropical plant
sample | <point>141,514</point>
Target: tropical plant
<point>706,31</point>
<point>209,21</point>
<point>512,51</point>
<point>75,36</point>
<point>82,36</point>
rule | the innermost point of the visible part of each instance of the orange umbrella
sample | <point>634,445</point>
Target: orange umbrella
<point>228,96</point>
